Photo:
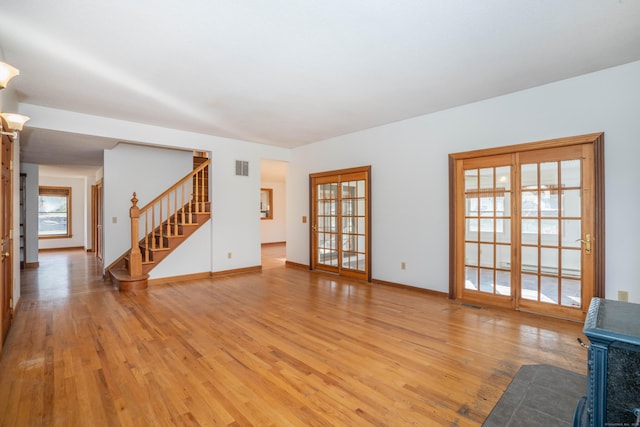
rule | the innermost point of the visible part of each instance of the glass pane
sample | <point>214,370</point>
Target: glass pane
<point>361,210</point>
<point>486,228</point>
<point>503,257</point>
<point>530,231</point>
<point>571,203</point>
<point>503,230</point>
<point>549,289</point>
<point>503,205</point>
<point>549,174</point>
<point>549,203</point>
<point>471,254</point>
<point>348,260</point>
<point>333,258</point>
<point>486,179</point>
<point>471,180</point>
<point>571,292</point>
<point>348,243</point>
<point>549,232</point>
<point>503,282</point>
<point>486,255</point>
<point>471,233</point>
<point>529,203</point>
<point>571,263</point>
<point>529,176</point>
<point>471,275</point>
<point>570,170</point>
<point>348,207</point>
<point>360,229</point>
<point>361,192</point>
<point>529,259</point>
<point>347,189</point>
<point>52,223</point>
<point>529,286</point>
<point>503,177</point>
<point>348,225</point>
<point>571,233</point>
<point>361,246</point>
<point>472,205</point>
<point>486,280</point>
<point>549,261</point>
<point>486,206</point>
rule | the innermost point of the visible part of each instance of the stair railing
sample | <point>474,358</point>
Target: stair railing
<point>161,218</point>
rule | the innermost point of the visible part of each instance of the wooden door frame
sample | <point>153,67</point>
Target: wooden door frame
<point>97,219</point>
<point>598,246</point>
<point>312,176</point>
<point>7,261</point>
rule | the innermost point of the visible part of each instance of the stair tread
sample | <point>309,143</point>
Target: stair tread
<point>123,274</point>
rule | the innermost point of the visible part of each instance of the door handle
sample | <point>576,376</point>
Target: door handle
<point>315,227</point>
<point>587,243</point>
<point>5,254</point>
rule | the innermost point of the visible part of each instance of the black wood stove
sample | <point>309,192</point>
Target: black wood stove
<point>613,377</point>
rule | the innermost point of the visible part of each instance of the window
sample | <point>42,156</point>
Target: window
<point>54,212</point>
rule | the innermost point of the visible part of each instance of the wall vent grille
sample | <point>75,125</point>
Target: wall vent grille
<point>242,168</point>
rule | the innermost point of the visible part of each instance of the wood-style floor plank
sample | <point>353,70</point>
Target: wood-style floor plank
<point>284,347</point>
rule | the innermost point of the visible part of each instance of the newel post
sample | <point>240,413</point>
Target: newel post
<point>135,258</point>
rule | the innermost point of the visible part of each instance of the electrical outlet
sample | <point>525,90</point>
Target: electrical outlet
<point>229,255</point>
<point>114,219</point>
<point>403,265</point>
<point>623,296</point>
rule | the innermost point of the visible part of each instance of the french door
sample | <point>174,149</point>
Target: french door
<point>526,227</point>
<point>340,226</point>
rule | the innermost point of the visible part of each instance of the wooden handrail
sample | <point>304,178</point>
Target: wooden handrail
<point>163,216</point>
<point>182,181</point>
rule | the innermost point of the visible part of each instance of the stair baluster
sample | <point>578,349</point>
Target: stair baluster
<point>160,237</point>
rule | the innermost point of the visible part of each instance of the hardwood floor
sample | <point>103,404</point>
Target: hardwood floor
<point>284,347</point>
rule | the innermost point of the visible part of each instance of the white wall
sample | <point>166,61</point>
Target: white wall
<point>275,230</point>
<point>32,171</point>
<point>147,171</point>
<point>410,177</point>
<point>78,219</point>
<point>184,260</point>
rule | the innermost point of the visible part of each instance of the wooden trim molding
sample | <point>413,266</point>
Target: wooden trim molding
<point>225,273</point>
<point>31,264</point>
<point>409,288</point>
<point>70,248</point>
<point>599,217</point>
<point>180,278</point>
<point>291,264</point>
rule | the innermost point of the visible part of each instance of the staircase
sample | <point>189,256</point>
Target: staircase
<point>161,226</point>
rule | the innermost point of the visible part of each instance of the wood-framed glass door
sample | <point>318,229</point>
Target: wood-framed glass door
<point>527,229</point>
<point>340,226</point>
<point>556,230</point>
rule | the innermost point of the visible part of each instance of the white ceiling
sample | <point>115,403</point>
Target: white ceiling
<point>289,73</point>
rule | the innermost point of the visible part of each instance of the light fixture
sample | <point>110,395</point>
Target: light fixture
<point>14,122</point>
<point>7,72</point>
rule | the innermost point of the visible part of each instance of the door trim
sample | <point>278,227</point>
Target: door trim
<point>312,176</point>
<point>598,246</point>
